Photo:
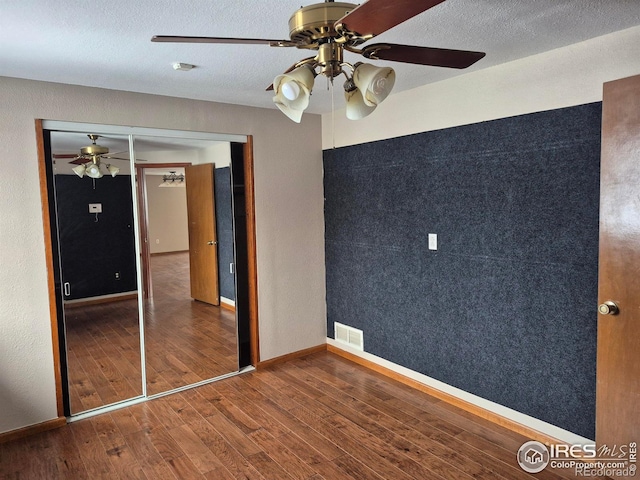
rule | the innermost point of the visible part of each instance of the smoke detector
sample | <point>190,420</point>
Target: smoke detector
<point>185,67</point>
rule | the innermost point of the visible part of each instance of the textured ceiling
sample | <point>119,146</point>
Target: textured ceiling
<point>147,149</point>
<point>107,44</point>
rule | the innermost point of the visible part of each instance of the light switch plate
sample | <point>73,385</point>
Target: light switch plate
<point>95,208</point>
<point>433,241</point>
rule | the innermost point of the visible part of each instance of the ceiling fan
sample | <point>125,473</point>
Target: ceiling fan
<point>90,160</point>
<point>333,27</point>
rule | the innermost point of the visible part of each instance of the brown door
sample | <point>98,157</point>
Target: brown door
<point>203,249</point>
<point>618,367</point>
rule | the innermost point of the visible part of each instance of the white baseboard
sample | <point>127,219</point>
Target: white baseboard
<point>100,297</point>
<point>228,301</point>
<point>508,413</point>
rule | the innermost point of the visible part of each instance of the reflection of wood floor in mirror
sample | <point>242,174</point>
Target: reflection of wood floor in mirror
<point>103,354</point>
<point>186,341</point>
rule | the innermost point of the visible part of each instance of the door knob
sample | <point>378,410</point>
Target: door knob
<point>608,308</point>
<point>211,242</point>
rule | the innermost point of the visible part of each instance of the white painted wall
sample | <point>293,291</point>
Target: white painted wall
<point>219,154</point>
<point>289,218</point>
<point>167,217</point>
<point>559,78</point>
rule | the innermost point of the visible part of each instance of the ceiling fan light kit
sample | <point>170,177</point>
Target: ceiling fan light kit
<point>79,170</point>
<point>374,83</point>
<point>91,155</point>
<point>292,91</point>
<point>113,170</point>
<point>93,171</point>
<point>356,108</point>
<point>333,27</point>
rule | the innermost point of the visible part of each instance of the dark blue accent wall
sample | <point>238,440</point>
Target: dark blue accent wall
<point>224,230</point>
<point>506,307</point>
<point>91,252</point>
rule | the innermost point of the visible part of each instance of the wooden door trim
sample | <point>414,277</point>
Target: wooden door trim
<point>48,249</point>
<point>19,433</point>
<point>250,206</point>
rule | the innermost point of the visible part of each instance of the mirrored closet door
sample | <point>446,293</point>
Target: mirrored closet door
<point>145,253</point>
<point>190,325</point>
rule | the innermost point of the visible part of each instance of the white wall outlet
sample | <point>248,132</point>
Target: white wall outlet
<point>95,208</point>
<point>433,241</point>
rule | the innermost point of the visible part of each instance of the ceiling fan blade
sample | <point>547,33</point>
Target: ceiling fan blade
<point>241,41</point>
<point>436,57</point>
<point>124,159</point>
<point>376,16</point>
<point>64,155</point>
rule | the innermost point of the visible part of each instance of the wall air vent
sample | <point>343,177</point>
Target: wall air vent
<point>349,336</point>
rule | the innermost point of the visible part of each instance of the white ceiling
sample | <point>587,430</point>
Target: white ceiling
<point>107,43</point>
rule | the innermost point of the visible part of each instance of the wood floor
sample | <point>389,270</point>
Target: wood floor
<point>312,418</point>
<point>186,341</point>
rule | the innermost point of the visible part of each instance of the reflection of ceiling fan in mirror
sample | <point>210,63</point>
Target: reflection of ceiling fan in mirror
<point>89,161</point>
<point>333,27</point>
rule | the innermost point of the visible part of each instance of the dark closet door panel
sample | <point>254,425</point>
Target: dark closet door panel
<point>224,226</point>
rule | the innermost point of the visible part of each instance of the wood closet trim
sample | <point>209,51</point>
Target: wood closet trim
<point>48,249</point>
<point>54,321</point>
<point>291,356</point>
<point>12,435</point>
<point>250,206</point>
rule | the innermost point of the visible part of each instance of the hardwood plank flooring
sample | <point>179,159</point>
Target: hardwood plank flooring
<point>317,417</point>
<point>186,341</point>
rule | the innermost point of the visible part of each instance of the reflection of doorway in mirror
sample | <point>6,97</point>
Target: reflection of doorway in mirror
<point>186,341</point>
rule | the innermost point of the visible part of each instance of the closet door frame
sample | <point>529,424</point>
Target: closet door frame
<point>47,192</point>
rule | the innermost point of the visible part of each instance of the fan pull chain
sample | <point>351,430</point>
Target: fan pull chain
<point>333,118</point>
